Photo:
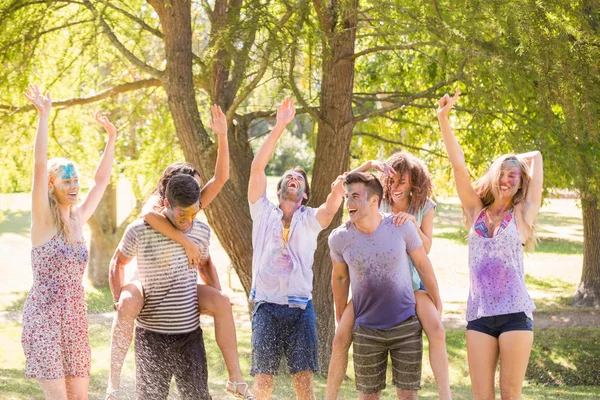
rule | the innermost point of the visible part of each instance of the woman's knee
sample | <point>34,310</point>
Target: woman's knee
<point>436,332</point>
<point>342,339</point>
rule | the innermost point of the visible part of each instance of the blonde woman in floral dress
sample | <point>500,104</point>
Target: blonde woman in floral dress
<point>55,328</point>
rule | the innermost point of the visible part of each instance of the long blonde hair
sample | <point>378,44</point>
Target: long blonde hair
<point>62,226</point>
<point>488,188</point>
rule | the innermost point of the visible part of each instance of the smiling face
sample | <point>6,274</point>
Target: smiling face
<point>510,180</point>
<point>66,185</point>
<point>357,202</point>
<point>182,217</point>
<point>293,187</point>
<point>400,187</point>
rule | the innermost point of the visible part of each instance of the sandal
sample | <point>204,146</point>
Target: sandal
<point>112,395</point>
<point>246,394</point>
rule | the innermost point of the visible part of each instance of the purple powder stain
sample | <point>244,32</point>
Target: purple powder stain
<point>494,277</point>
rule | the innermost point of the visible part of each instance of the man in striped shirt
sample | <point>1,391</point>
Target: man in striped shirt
<point>168,338</point>
<point>371,252</point>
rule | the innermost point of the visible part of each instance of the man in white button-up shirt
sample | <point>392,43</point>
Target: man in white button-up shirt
<point>284,239</point>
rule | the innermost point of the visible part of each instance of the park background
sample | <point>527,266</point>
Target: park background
<point>365,76</point>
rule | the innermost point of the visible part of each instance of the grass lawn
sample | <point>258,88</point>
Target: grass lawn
<point>565,362</point>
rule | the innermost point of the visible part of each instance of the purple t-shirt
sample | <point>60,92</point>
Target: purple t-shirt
<point>380,275</point>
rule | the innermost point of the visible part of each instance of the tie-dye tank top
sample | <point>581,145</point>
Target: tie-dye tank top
<point>497,276</point>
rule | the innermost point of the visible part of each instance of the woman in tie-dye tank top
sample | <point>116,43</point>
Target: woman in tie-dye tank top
<point>500,210</point>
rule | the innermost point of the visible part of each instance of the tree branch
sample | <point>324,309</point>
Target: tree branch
<point>28,37</point>
<point>398,143</point>
<point>111,92</point>
<point>411,98</point>
<point>136,19</point>
<point>405,46</point>
<point>244,93</point>
<point>122,49</point>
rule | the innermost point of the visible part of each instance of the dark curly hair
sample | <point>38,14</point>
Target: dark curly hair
<point>420,180</point>
<point>169,172</point>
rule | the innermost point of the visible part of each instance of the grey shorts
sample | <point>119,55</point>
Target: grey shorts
<point>404,343</point>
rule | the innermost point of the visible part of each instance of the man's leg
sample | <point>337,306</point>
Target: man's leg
<point>406,349</point>
<point>370,361</point>
<point>190,368</point>
<point>301,348</point>
<point>267,347</point>
<point>153,367</point>
<point>131,302</point>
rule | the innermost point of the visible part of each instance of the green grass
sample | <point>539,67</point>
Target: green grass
<point>99,300</point>
<point>564,362</point>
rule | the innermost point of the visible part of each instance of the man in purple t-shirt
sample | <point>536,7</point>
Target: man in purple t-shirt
<point>371,252</point>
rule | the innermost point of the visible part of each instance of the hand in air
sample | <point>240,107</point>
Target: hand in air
<point>401,218</point>
<point>286,111</point>
<point>383,168</point>
<point>218,123</point>
<point>446,103</point>
<point>337,186</point>
<point>42,103</point>
<point>106,124</point>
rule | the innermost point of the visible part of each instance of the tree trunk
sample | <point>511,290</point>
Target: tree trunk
<point>332,156</point>
<point>104,240</point>
<point>588,292</point>
<point>228,215</point>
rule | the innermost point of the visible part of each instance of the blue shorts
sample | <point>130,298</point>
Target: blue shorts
<point>277,330</point>
<point>498,324</point>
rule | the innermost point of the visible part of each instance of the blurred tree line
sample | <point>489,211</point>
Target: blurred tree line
<point>365,74</point>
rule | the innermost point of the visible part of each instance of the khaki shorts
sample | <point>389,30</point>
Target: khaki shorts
<point>404,343</point>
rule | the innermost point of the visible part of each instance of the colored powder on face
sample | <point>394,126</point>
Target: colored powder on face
<point>68,172</point>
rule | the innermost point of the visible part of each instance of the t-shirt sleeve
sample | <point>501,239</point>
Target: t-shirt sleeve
<point>334,248</point>
<point>429,205</point>
<point>313,222</point>
<point>130,242</point>
<point>259,207</point>
<point>411,237</point>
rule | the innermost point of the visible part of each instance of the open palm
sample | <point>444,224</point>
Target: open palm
<point>286,111</point>
<point>42,103</point>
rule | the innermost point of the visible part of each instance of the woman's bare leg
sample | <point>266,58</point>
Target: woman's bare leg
<point>339,353</point>
<point>482,353</point>
<point>515,348</point>
<point>54,389</point>
<point>130,304</point>
<point>436,335</point>
<point>77,388</point>
<point>217,304</point>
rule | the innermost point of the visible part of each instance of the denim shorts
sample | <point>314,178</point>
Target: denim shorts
<point>279,330</point>
<point>498,324</point>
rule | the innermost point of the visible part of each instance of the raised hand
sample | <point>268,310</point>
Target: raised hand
<point>218,123</point>
<point>446,103</point>
<point>337,186</point>
<point>383,168</point>
<point>41,103</point>
<point>286,111</point>
<point>106,124</point>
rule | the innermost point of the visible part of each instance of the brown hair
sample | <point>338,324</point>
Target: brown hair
<point>62,227</point>
<point>301,171</point>
<point>372,184</point>
<point>169,172</point>
<point>420,180</point>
